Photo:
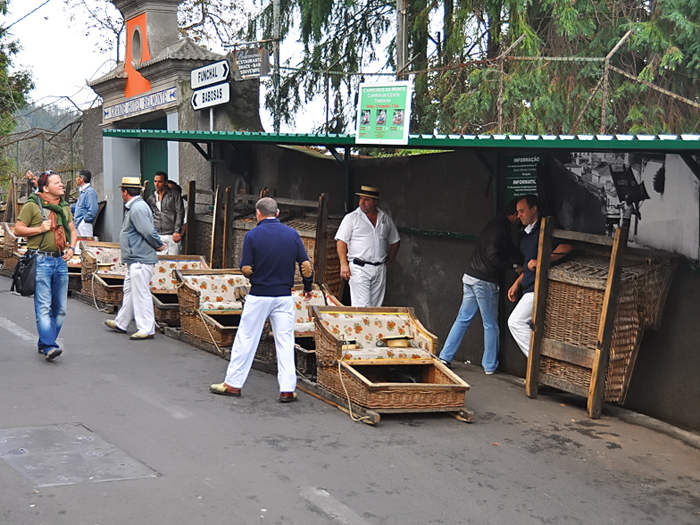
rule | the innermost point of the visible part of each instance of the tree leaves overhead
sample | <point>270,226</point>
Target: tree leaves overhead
<point>458,70</point>
<point>14,86</point>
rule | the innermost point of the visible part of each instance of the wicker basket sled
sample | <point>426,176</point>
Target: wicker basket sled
<point>304,328</point>
<point>385,379</point>
<point>211,303</point>
<point>166,306</point>
<point>590,315</point>
<point>102,272</point>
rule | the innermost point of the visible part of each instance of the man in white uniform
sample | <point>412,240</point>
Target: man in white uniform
<point>367,242</point>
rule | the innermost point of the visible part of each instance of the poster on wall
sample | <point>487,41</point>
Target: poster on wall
<point>521,175</point>
<point>661,191</point>
<point>384,113</point>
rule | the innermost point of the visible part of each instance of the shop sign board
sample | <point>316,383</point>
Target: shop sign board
<point>252,62</point>
<point>210,74</point>
<point>211,96</point>
<point>521,175</point>
<point>384,113</point>
<point>139,105</point>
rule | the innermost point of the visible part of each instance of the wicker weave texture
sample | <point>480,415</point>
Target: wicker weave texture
<point>574,308</point>
<point>440,394</point>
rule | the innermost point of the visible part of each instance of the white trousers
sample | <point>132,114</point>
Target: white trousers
<point>137,304</point>
<point>256,310</point>
<point>171,247</point>
<point>84,229</point>
<point>519,322</point>
<point>367,285</point>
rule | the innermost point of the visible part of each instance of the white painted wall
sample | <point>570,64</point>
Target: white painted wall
<point>173,149</point>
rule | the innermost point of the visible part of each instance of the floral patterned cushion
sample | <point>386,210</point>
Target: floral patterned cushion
<point>111,256</point>
<point>217,292</point>
<point>303,321</point>
<point>385,353</point>
<point>162,279</point>
<point>368,328</point>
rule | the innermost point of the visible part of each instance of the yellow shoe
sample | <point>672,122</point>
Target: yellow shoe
<point>224,390</point>
<point>140,336</point>
<point>110,323</point>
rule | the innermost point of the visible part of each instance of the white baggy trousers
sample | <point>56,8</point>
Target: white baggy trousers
<point>519,322</point>
<point>137,304</point>
<point>256,311</point>
<point>367,285</point>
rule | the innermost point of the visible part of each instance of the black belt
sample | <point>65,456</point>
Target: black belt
<point>360,262</point>
<point>48,254</point>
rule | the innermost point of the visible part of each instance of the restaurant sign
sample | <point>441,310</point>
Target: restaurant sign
<point>138,105</point>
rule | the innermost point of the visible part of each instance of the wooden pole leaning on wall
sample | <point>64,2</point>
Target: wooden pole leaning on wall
<point>605,328</point>
<point>320,246</point>
<point>217,228</point>
<point>190,235</point>
<point>544,259</point>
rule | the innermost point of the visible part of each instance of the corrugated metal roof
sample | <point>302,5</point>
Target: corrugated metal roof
<point>660,143</point>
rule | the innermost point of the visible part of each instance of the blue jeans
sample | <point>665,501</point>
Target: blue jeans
<point>50,298</point>
<point>482,296</point>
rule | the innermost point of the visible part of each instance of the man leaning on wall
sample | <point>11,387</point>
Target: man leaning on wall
<point>168,213</point>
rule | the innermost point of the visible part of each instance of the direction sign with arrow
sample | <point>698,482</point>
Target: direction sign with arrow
<point>211,96</point>
<point>210,74</point>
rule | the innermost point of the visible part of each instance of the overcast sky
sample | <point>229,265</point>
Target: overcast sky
<point>59,54</point>
<point>61,58</point>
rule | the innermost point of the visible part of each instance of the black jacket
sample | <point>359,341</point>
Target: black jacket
<point>170,217</point>
<point>494,251</point>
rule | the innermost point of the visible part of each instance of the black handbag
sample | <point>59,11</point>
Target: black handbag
<point>24,274</point>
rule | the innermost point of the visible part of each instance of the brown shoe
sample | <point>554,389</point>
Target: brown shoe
<point>224,390</point>
<point>288,397</point>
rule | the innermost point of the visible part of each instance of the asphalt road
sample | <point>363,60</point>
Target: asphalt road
<point>215,459</point>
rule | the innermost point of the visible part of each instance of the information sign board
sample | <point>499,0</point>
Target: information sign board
<point>252,62</point>
<point>384,113</point>
<point>521,175</point>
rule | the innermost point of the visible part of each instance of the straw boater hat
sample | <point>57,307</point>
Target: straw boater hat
<point>368,191</point>
<point>131,182</point>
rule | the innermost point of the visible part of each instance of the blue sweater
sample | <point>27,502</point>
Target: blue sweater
<point>271,250</point>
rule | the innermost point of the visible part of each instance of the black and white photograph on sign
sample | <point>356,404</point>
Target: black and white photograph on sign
<point>398,117</point>
<point>364,118</point>
<point>381,117</point>
<point>592,190</point>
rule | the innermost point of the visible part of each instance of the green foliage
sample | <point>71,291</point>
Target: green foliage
<point>14,86</point>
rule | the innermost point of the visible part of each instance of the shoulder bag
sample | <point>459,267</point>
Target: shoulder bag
<point>24,274</point>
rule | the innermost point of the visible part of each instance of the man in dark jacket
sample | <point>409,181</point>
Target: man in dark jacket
<point>168,213</point>
<point>494,252</point>
<point>271,252</point>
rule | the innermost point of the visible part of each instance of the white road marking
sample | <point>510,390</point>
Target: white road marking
<point>17,330</point>
<point>331,506</point>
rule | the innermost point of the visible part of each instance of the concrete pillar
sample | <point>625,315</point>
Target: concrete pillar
<point>121,158</point>
<point>173,149</point>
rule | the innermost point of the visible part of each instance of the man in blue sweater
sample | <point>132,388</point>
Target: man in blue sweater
<point>86,208</point>
<point>520,319</point>
<point>271,252</point>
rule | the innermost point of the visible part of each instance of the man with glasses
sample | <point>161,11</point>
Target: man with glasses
<point>47,223</point>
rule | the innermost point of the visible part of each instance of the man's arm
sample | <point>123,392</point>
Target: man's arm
<point>22,230</point>
<point>144,225</point>
<point>513,290</point>
<point>305,269</point>
<point>91,206</point>
<point>179,215</point>
<point>73,241</point>
<point>342,248</point>
<point>393,248</point>
<point>559,252</point>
